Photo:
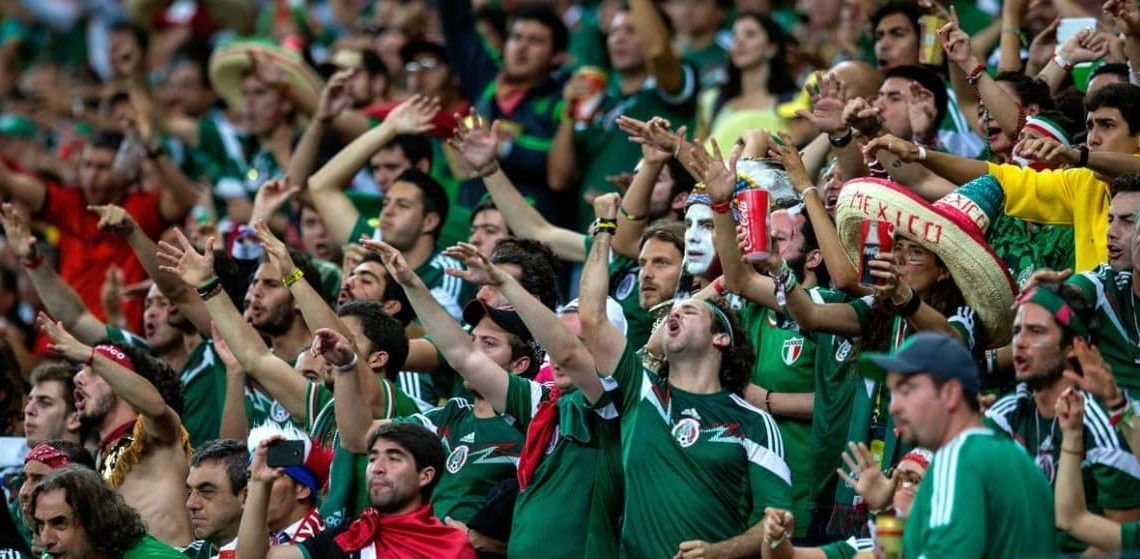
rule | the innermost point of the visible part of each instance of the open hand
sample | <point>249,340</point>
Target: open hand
<point>114,219</point>
<point>394,262</point>
<point>18,231</point>
<point>479,269</point>
<point>276,249</point>
<point>335,98</point>
<point>415,115</point>
<point>62,342</point>
<point>333,346</point>
<point>718,175</point>
<point>1095,376</point>
<point>864,475</point>
<point>828,99</point>
<point>184,262</point>
<point>476,142</point>
<point>784,151</point>
<point>271,196</point>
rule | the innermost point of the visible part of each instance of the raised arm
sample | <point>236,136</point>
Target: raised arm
<point>317,314</point>
<point>25,189</point>
<point>253,532</point>
<point>633,215</point>
<point>475,142</point>
<point>275,375</point>
<point>115,219</point>
<point>1071,511</point>
<point>353,419</point>
<point>958,170</point>
<point>178,194</point>
<point>326,186</point>
<point>562,346</point>
<point>1086,46</point>
<point>656,45</point>
<point>160,421</point>
<point>59,298</point>
<point>484,375</point>
<point>235,422</point>
<point>334,100</point>
<point>605,342</point>
<point>1001,105</point>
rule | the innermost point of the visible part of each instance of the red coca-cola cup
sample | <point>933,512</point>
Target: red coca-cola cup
<point>752,207</point>
<point>875,237</point>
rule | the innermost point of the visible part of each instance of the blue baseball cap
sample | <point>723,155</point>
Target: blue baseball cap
<point>933,353</point>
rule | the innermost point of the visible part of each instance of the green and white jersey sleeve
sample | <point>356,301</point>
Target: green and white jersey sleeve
<point>1111,293</point>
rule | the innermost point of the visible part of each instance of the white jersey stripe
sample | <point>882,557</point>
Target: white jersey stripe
<point>765,458</point>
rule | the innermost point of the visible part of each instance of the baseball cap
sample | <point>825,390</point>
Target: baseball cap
<point>507,319</point>
<point>614,312</point>
<point>934,353</point>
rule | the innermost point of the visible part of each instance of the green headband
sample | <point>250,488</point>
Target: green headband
<point>1056,306</point>
<point>723,319</point>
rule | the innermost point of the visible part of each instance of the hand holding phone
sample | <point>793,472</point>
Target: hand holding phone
<point>284,453</point>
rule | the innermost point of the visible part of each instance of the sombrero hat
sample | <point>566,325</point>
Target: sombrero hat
<point>229,63</point>
<point>952,228</point>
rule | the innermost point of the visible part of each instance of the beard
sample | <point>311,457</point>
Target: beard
<point>95,411</point>
<point>797,264</point>
<point>277,321</point>
<point>1045,379</point>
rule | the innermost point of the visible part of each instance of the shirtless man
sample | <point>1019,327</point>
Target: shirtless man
<point>133,401</point>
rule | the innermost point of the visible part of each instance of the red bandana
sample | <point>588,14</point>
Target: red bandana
<point>538,436</point>
<point>413,535</point>
<point>115,354</point>
<point>48,455</point>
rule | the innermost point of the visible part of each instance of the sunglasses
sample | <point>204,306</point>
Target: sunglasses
<point>425,64</point>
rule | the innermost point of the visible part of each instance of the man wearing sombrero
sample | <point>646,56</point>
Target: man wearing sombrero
<point>243,161</point>
<point>1052,320</point>
<point>1075,195</point>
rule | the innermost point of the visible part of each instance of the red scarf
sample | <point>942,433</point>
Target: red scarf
<point>413,535</point>
<point>538,436</point>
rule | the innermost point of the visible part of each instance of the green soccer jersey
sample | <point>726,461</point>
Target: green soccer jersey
<point>481,452</point>
<point>346,494</point>
<point>203,380</point>
<point>1129,538</point>
<point>786,363</point>
<point>964,507</point>
<point>576,485</point>
<point>1027,247</point>
<point>1111,292</point>
<point>697,466</point>
<point>1111,473</point>
<point>626,290</point>
<point>151,548</point>
<point>847,549</point>
<point>200,549</point>
<point>602,150</point>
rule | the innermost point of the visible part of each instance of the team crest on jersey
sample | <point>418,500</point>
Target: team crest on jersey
<point>686,432</point>
<point>457,459</point>
<point>793,347</point>
<point>278,413</point>
<point>553,440</point>
<point>843,351</point>
<point>1044,460</point>
<point>626,286</point>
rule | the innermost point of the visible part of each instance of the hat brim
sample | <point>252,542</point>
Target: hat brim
<point>230,63</point>
<point>509,321</point>
<point>874,365</point>
<point>979,273</point>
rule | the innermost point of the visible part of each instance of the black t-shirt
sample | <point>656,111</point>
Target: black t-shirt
<point>322,546</point>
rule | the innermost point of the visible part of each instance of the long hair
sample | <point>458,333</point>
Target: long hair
<point>112,526</point>
<point>737,359</point>
<point>944,296</point>
<point>780,80</point>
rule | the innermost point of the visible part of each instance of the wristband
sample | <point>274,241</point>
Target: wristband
<point>718,285</point>
<point>212,287</point>
<point>604,226</point>
<point>1083,161</point>
<point>630,217</point>
<point>34,262</point>
<point>488,170</point>
<point>976,74</point>
<point>721,207</point>
<point>1062,63</point>
<point>347,366</point>
<point>90,358</point>
<point>921,153</point>
<point>843,139</point>
<point>909,307</point>
<point>292,278</point>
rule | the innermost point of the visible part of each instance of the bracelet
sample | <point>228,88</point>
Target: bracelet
<point>488,169</point>
<point>909,307</point>
<point>768,402</point>
<point>974,75</point>
<point>921,153</point>
<point>604,226</point>
<point>721,207</point>
<point>34,262</point>
<point>843,139</point>
<point>1119,408</point>
<point>784,282</point>
<point>347,366</point>
<point>718,285</point>
<point>293,277</point>
<point>630,217</point>
<point>1062,63</point>
<point>1083,161</point>
<point>212,287</point>
<point>1071,451</point>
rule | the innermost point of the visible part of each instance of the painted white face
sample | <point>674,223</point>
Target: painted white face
<point>699,249</point>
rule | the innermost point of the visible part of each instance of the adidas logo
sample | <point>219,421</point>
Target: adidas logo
<point>468,438</point>
<point>691,413</point>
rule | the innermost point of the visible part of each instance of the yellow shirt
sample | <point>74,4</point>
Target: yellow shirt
<point>1061,197</point>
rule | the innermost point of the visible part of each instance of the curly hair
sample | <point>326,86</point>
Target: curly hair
<point>158,373</point>
<point>538,264</point>
<point>737,359</point>
<point>112,526</point>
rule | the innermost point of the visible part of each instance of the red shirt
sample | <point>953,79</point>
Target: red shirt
<point>85,252</point>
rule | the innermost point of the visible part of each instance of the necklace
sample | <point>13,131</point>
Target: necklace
<point>1044,456</point>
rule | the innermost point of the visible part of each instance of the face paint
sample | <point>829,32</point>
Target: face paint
<point>699,248</point>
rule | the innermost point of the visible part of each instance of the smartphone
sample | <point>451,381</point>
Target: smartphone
<point>875,237</point>
<point>282,454</point>
<point>1070,26</point>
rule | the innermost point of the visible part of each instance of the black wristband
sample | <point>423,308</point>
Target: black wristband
<point>907,309</point>
<point>1084,159</point>
<point>843,139</point>
<point>212,287</point>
